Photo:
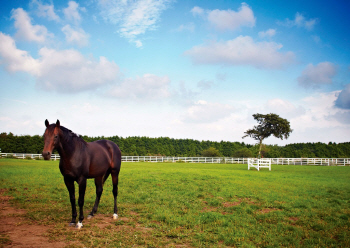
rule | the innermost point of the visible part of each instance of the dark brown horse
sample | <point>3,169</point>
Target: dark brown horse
<point>79,161</point>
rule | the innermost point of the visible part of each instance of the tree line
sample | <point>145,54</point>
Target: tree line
<point>164,146</point>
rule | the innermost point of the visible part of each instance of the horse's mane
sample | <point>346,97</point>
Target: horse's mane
<point>69,136</point>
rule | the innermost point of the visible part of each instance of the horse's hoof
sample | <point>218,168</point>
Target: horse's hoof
<point>79,225</point>
<point>115,216</point>
<point>72,224</point>
<point>90,216</point>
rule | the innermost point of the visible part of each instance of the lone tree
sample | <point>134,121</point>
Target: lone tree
<point>268,124</point>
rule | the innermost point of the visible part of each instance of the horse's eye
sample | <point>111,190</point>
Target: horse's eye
<point>56,137</point>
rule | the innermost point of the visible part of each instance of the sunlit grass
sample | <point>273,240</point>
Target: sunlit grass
<point>195,205</point>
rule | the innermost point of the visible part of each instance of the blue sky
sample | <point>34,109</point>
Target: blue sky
<point>179,69</point>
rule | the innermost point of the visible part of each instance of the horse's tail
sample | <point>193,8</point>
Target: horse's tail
<point>116,158</point>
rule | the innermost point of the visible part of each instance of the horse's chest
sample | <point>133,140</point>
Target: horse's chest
<point>72,170</point>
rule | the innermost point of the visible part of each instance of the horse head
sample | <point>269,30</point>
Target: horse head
<point>51,138</point>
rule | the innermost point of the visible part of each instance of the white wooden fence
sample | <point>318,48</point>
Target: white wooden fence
<point>216,160</point>
<point>259,163</point>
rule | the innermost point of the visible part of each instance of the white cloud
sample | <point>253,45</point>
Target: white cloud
<point>62,71</point>
<point>322,122</point>
<point>318,108</point>
<point>241,51</point>
<point>25,29</point>
<point>227,19</point>
<point>138,43</point>
<point>19,127</point>
<point>300,21</point>
<point>314,76</point>
<point>86,108</point>
<point>268,33</point>
<point>147,87</point>
<point>71,13</point>
<point>231,20</point>
<point>342,117</point>
<point>76,36</point>
<point>15,59</point>
<point>184,95</point>
<point>69,71</point>
<point>46,10</point>
<point>206,112</point>
<point>343,100</point>
<point>190,27</point>
<point>284,108</point>
<point>197,11</point>
<point>133,18</point>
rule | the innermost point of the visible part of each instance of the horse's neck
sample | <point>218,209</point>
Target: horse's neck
<point>67,149</point>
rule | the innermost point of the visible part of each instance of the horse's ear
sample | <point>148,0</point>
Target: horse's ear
<point>57,123</point>
<point>47,123</point>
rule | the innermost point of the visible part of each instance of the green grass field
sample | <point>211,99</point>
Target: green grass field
<point>193,205</point>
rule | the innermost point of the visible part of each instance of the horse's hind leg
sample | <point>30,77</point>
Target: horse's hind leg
<point>99,190</point>
<point>115,173</point>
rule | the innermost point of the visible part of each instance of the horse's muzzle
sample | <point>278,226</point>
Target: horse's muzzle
<point>46,155</point>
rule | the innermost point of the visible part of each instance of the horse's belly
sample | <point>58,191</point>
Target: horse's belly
<point>99,164</point>
<point>100,159</point>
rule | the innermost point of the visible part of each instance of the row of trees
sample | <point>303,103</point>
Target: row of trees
<point>144,146</point>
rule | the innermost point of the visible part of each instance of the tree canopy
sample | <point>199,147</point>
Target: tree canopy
<point>211,152</point>
<point>269,124</point>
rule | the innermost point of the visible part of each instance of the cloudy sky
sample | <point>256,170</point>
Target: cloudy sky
<point>193,69</point>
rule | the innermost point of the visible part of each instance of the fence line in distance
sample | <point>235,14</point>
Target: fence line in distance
<point>216,160</point>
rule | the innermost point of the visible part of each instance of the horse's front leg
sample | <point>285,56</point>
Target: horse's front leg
<point>82,188</point>
<point>71,189</point>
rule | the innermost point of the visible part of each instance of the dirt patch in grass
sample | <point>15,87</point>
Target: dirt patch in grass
<point>105,222</point>
<point>17,231</point>
<point>238,202</point>
<point>227,204</point>
<point>209,209</point>
<point>267,210</point>
<point>294,219</point>
<point>231,204</point>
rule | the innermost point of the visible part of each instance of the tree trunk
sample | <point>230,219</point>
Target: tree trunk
<point>260,146</point>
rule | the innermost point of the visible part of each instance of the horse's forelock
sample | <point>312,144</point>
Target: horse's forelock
<point>50,129</point>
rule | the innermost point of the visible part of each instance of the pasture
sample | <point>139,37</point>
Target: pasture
<point>191,205</point>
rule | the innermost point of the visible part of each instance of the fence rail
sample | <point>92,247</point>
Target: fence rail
<point>216,160</point>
